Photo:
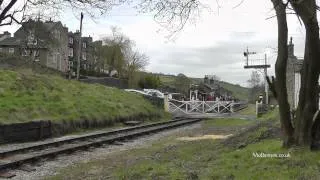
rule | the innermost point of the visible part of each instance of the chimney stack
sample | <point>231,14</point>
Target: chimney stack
<point>291,48</point>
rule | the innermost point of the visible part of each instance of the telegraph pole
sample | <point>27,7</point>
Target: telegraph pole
<point>265,79</point>
<point>79,49</point>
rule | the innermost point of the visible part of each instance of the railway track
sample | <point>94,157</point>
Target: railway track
<point>15,158</point>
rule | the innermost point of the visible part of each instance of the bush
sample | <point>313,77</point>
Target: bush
<point>149,82</point>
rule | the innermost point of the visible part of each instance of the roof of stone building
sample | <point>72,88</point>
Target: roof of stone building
<point>10,41</point>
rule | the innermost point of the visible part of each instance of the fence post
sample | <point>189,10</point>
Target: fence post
<point>186,107</point>
<point>166,102</point>
<point>257,109</point>
<point>231,107</point>
<point>40,129</point>
<point>202,106</point>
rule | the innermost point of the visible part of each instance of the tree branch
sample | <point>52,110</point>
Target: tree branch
<point>272,85</point>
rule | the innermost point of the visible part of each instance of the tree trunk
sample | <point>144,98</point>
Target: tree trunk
<point>308,105</point>
<point>280,71</point>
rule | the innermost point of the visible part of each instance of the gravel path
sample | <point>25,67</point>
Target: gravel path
<point>50,167</point>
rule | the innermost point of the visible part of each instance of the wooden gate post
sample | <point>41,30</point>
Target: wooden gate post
<point>257,108</point>
<point>203,107</point>
<point>231,107</point>
<point>166,102</point>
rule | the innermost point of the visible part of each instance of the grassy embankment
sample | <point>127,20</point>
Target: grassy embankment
<point>207,158</point>
<point>25,96</point>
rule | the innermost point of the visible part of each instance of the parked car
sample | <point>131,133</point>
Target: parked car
<point>154,92</point>
<point>137,92</point>
<point>176,96</point>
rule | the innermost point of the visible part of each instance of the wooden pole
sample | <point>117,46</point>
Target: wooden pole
<point>79,49</point>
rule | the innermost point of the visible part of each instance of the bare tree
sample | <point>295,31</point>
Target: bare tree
<point>19,11</point>
<point>116,47</point>
<point>304,131</point>
<point>256,87</point>
<point>307,106</point>
<point>135,61</point>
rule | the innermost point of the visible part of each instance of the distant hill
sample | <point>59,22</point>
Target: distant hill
<point>238,91</point>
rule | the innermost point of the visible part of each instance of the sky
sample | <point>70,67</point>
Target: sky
<point>213,44</point>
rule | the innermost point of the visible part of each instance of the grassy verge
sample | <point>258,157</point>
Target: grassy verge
<point>227,122</point>
<point>25,96</point>
<point>171,158</point>
<point>250,110</point>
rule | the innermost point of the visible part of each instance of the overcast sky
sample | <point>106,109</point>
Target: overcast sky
<point>214,44</point>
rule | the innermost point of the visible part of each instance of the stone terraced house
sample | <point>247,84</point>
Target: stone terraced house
<point>50,44</point>
<point>44,42</point>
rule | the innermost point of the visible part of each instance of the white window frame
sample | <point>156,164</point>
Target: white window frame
<point>11,50</point>
<point>31,38</point>
<point>70,65</point>
<point>57,34</point>
<point>84,55</point>
<point>70,52</point>
<point>71,40</point>
<point>84,45</point>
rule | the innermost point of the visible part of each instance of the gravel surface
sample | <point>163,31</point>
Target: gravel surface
<point>50,167</point>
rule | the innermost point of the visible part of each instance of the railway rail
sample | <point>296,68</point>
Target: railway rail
<point>15,158</point>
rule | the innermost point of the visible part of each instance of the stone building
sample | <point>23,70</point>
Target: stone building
<point>44,42</point>
<point>50,44</point>
<point>86,54</point>
<point>294,66</point>
<point>9,45</point>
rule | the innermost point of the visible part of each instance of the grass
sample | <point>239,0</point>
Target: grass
<point>250,110</point>
<point>25,96</point>
<point>272,115</point>
<point>238,91</point>
<point>227,122</point>
<point>170,158</point>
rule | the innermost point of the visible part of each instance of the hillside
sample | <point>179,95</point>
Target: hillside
<point>238,91</point>
<point>25,96</point>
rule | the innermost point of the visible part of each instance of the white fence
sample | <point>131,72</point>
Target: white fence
<point>191,107</point>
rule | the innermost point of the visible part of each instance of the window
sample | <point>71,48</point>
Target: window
<point>70,40</point>
<point>56,34</point>
<point>0,49</point>
<point>70,52</point>
<point>70,65</point>
<point>84,56</point>
<point>30,38</point>
<point>84,45</point>
<point>11,50</point>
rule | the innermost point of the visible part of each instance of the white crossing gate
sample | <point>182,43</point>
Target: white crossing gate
<point>196,107</point>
